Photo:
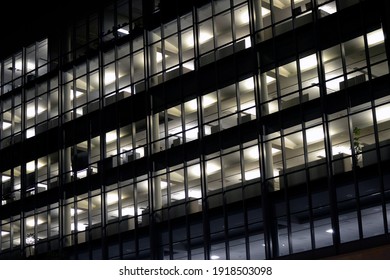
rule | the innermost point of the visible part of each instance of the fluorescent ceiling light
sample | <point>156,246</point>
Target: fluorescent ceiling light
<point>189,65</point>
<point>123,31</point>
<point>112,198</point>
<point>18,65</point>
<point>212,168</point>
<point>30,166</point>
<point>80,226</point>
<point>328,8</point>
<point>128,211</point>
<point>72,212</point>
<point>30,222</point>
<point>330,230</point>
<point>6,125</point>
<point>253,152</point>
<point>308,62</point>
<point>163,184</point>
<point>192,105</point>
<point>192,134</point>
<point>340,150</point>
<point>383,113</point>
<point>244,16</point>
<point>75,93</point>
<point>111,137</point>
<point>30,66</point>
<point>376,37</point>
<point>314,135</point>
<point>208,100</point>
<point>30,132</point>
<point>4,233</point>
<point>269,79</point>
<point>5,178</point>
<point>195,193</point>
<point>109,77</point>
<point>159,57</point>
<point>214,257</point>
<point>31,110</point>
<point>265,12</point>
<point>82,173</point>
<point>140,151</point>
<point>248,42</point>
<point>247,84</point>
<point>204,37</point>
<point>252,174</point>
<point>42,186</point>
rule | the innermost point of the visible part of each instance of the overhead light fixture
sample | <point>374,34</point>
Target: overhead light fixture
<point>191,134</point>
<point>328,8</point>
<point>109,77</point>
<point>111,137</point>
<point>80,226</point>
<point>270,79</point>
<point>163,184</point>
<point>75,93</point>
<point>212,168</point>
<point>192,105</point>
<point>73,212</point>
<point>18,65</point>
<point>5,178</point>
<point>252,174</point>
<point>208,100</point>
<point>6,125</point>
<point>382,113</point>
<point>265,12</point>
<point>42,186</point>
<point>30,166</point>
<point>308,62</point>
<point>82,173</point>
<point>31,110</point>
<point>253,152</point>
<point>204,37</point>
<point>330,231</point>
<point>195,193</point>
<point>244,16</point>
<point>376,37</point>
<point>30,66</point>
<point>30,222</point>
<point>30,132</point>
<point>4,233</point>
<point>130,211</point>
<point>189,65</point>
<point>314,135</point>
<point>247,84</point>
<point>214,257</point>
<point>159,57</point>
<point>123,31</point>
<point>111,198</point>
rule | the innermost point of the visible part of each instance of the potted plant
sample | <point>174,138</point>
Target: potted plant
<point>357,147</point>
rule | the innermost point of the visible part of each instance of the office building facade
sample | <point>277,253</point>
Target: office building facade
<point>203,129</point>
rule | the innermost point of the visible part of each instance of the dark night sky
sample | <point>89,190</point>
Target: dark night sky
<point>22,23</point>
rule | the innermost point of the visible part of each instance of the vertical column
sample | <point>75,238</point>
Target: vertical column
<point>157,196</point>
<point>269,166</point>
<point>67,217</point>
<point>271,233</point>
<point>153,64</point>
